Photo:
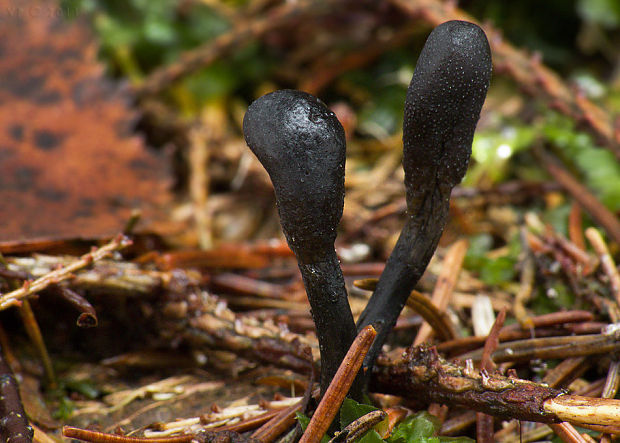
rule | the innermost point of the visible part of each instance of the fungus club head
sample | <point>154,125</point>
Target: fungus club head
<point>301,144</point>
<point>443,105</point>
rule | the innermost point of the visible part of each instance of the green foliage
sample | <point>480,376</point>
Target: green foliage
<point>352,410</point>
<point>304,420</point>
<point>493,271</point>
<point>603,12</point>
<point>553,299</point>
<point>600,169</point>
<point>492,151</point>
<point>421,428</point>
<point>380,90</point>
<point>64,409</point>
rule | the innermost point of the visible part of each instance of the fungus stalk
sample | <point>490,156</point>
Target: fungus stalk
<point>442,108</point>
<point>301,144</point>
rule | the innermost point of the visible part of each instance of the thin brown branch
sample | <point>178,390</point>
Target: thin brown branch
<point>607,261</point>
<point>445,284</point>
<point>100,437</point>
<point>423,305</point>
<point>34,332</point>
<point>13,298</point>
<point>423,376</point>
<point>339,387</point>
<point>567,432</point>
<point>601,414</point>
<point>582,195</point>
<point>552,347</point>
<point>88,315</point>
<point>278,425</point>
<point>491,343</point>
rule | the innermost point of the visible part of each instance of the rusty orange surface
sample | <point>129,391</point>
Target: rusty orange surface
<point>70,165</point>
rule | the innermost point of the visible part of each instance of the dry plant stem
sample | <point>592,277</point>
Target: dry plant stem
<point>484,422</point>
<point>484,428</point>
<point>423,305</point>
<point>611,384</point>
<point>15,427</point>
<point>278,424</point>
<point>612,381</point>
<point>514,332</point>
<point>602,414</point>
<point>201,321</point>
<point>199,184</point>
<point>100,437</point>
<point>34,332</point>
<point>446,282</point>
<point>88,315</point>
<point>567,371</point>
<point>607,262</point>
<point>575,227</point>
<point>252,423</point>
<point>249,286</point>
<point>491,343</point>
<point>337,390</point>
<point>422,375</point>
<point>13,298</point>
<point>527,70</point>
<point>567,432</point>
<point>581,194</point>
<point>551,347</point>
<point>526,284</point>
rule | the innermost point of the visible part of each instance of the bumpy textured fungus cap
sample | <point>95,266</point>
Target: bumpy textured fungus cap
<point>443,105</point>
<point>301,144</point>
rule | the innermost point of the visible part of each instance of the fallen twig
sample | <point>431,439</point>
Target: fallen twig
<point>445,284</point>
<point>338,388</point>
<point>13,298</point>
<point>423,376</point>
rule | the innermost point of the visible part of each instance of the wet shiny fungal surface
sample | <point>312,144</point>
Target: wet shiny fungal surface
<point>301,144</point>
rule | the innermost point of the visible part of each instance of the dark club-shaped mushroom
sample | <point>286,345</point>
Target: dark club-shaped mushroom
<point>442,108</point>
<point>301,144</point>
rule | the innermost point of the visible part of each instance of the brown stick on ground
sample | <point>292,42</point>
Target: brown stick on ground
<point>582,195</point>
<point>13,298</point>
<point>445,284</point>
<point>335,394</point>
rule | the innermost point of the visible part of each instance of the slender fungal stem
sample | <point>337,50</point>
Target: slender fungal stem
<point>442,108</point>
<point>301,144</point>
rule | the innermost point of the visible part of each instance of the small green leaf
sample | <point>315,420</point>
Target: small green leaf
<point>304,420</point>
<point>371,437</point>
<point>352,410</point>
